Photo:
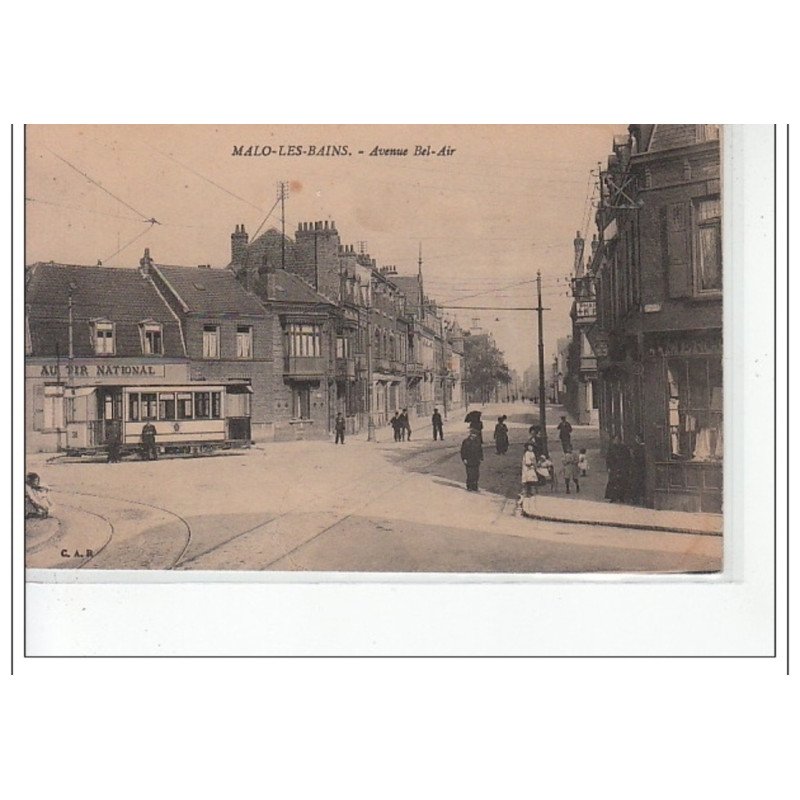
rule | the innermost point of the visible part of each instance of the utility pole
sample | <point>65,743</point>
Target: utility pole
<point>283,193</point>
<point>542,386</point>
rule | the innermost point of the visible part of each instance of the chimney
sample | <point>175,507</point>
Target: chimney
<point>145,263</point>
<point>578,244</point>
<point>239,239</point>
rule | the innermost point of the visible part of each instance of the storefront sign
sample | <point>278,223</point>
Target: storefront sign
<point>102,370</point>
<point>586,309</point>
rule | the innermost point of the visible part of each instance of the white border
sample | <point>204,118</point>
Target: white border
<point>603,615</point>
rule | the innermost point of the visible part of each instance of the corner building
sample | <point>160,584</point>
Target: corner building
<point>657,272</point>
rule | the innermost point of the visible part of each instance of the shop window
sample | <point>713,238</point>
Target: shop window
<point>708,246</point>
<point>184,405</point>
<point>152,340</point>
<point>53,416</point>
<point>244,341</point>
<point>148,406</point>
<point>104,338</point>
<point>133,406</point>
<point>695,408</point>
<point>166,405</point>
<point>202,405</point>
<point>210,341</point>
<point>216,405</point>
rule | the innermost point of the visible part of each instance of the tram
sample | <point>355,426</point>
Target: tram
<point>187,418</point>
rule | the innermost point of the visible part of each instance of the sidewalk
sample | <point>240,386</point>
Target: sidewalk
<point>590,512</point>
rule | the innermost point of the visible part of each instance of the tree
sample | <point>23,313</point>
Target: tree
<point>484,367</point>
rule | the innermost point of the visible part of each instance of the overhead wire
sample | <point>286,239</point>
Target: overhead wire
<point>125,246</point>
<point>145,218</point>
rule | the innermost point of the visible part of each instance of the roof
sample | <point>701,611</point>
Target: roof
<point>210,291</point>
<point>291,288</point>
<point>120,295</point>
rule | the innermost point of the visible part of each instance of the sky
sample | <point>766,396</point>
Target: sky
<point>498,203</point>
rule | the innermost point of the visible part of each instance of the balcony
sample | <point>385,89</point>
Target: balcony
<point>415,369</point>
<point>382,365</point>
<point>304,366</point>
<point>346,368</point>
<point>398,367</point>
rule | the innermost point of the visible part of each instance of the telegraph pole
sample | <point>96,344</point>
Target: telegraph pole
<point>542,386</point>
<point>283,192</point>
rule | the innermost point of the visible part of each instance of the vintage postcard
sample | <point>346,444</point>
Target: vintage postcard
<point>463,349</point>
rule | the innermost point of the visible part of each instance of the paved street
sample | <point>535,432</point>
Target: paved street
<point>386,507</point>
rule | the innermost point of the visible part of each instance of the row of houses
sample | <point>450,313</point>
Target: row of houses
<point>646,349</point>
<point>292,331</point>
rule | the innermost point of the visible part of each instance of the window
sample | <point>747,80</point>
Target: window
<point>104,338</point>
<point>707,133</point>
<point>133,406</point>
<point>53,408</point>
<point>202,405</point>
<point>244,341</point>
<point>149,408</point>
<point>166,405</point>
<point>708,246</point>
<point>303,341</point>
<point>301,402</point>
<point>695,408</point>
<point>152,343</point>
<point>184,405</point>
<point>216,405</point>
<point>342,347</point>
<point>210,341</point>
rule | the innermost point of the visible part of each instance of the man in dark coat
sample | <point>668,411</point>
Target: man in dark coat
<point>406,430</point>
<point>396,424</point>
<point>436,421</point>
<point>565,435</point>
<point>472,455</point>
<point>113,442</point>
<point>339,427</point>
<point>149,442</point>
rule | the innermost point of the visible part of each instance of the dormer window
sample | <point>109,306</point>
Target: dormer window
<point>152,338</point>
<point>103,337</point>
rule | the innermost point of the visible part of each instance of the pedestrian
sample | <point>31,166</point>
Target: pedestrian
<point>113,443</point>
<point>436,422</point>
<point>37,500</point>
<point>638,471</point>
<point>472,455</point>
<point>529,477</point>
<point>537,439</point>
<point>618,461</point>
<point>339,426</point>
<point>501,436</point>
<point>406,425</point>
<point>565,435</point>
<point>149,449</point>
<point>583,462</point>
<point>396,423</point>
<point>545,472</point>
<point>571,471</point>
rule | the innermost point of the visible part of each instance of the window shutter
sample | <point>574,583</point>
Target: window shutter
<point>679,265</point>
<point>38,408</point>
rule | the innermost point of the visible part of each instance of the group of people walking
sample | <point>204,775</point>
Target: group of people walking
<point>401,426</point>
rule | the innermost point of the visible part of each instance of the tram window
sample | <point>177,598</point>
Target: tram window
<point>166,406</point>
<point>133,406</point>
<point>216,405</point>
<point>149,406</point>
<point>202,405</point>
<point>184,405</point>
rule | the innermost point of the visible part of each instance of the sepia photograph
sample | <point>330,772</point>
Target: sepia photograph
<point>459,349</point>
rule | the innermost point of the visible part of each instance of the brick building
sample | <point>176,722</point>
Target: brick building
<point>657,272</point>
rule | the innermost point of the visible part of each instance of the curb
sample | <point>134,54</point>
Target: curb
<point>638,526</point>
